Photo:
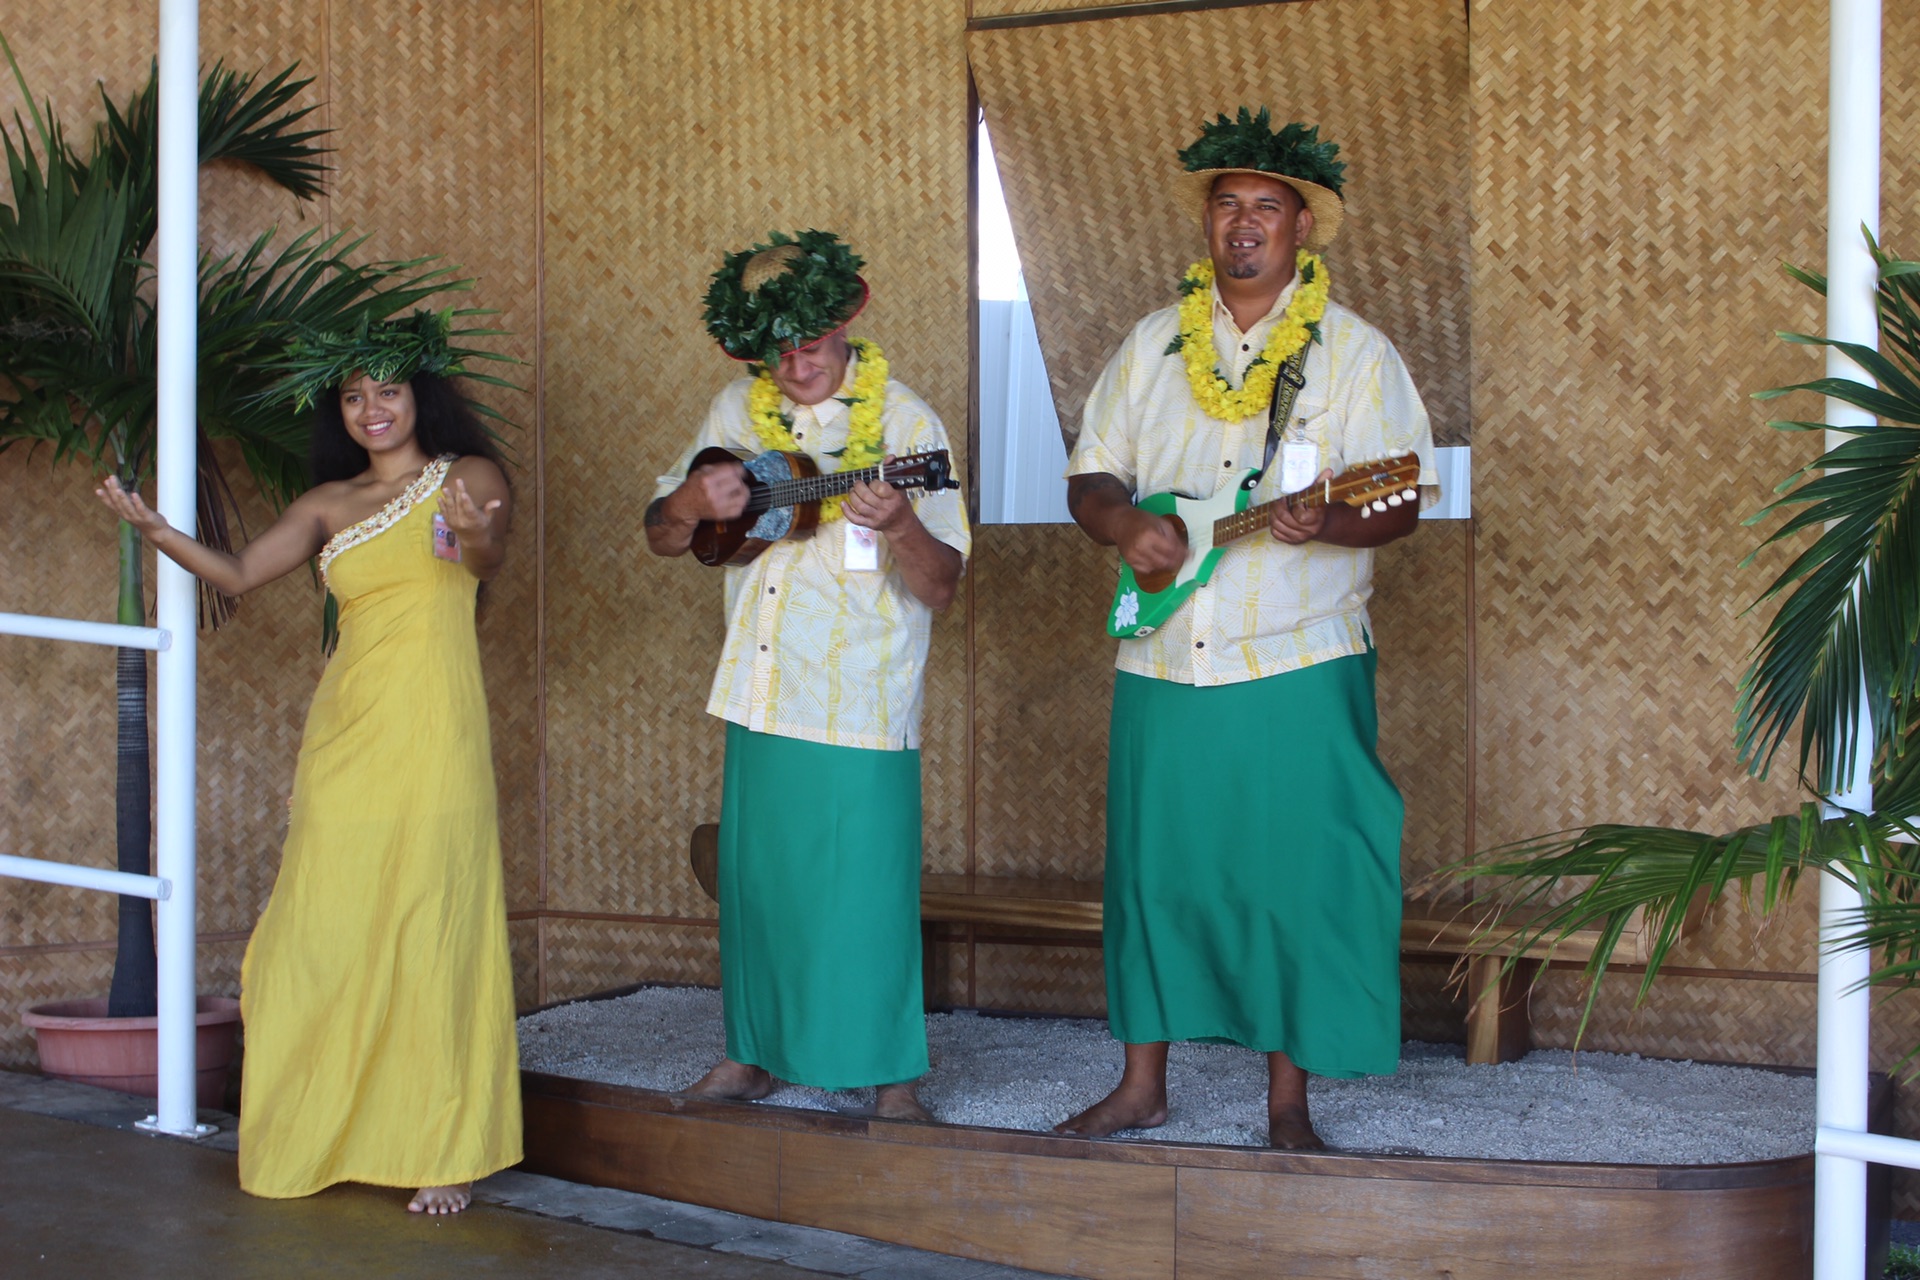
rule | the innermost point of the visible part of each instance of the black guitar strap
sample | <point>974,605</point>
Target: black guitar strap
<point>1286,388</point>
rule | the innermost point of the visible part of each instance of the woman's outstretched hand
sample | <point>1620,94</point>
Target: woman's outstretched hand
<point>126,504</point>
<point>470,522</point>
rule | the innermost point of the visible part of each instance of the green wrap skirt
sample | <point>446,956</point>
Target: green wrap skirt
<point>1253,868</point>
<point>820,911</point>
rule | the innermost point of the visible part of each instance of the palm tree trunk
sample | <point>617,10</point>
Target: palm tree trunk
<point>135,976</point>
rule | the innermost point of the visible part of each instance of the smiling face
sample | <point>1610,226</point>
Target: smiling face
<point>1255,226</point>
<point>378,415</point>
<point>811,375</point>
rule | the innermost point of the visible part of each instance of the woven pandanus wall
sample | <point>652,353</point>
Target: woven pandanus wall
<point>1086,118</point>
<point>440,159</point>
<point>1640,170</point>
<point>675,132</point>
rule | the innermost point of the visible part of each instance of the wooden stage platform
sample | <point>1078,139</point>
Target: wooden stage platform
<point>1134,1210</point>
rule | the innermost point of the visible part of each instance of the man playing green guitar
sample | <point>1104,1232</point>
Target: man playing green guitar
<point>1253,838</point>
<point>820,682</point>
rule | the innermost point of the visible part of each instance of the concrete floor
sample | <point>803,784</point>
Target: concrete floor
<point>85,1197</point>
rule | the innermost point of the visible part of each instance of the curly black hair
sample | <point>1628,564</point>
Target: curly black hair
<point>443,423</point>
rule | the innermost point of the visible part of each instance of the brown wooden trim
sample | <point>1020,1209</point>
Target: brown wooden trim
<point>975,115</point>
<point>108,944</point>
<point>1473,704</point>
<point>620,917</point>
<point>1786,1172</point>
<point>540,823</point>
<point>1098,13</point>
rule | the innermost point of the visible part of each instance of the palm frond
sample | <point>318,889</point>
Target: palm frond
<point>1844,645</point>
<point>1609,878</point>
<point>256,127</point>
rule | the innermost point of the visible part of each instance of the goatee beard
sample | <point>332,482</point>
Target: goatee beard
<point>1242,270</point>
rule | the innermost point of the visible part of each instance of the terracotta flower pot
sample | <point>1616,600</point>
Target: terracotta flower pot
<point>79,1042</point>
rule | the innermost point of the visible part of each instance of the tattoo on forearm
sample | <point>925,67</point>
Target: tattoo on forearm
<point>1081,488</point>
<point>656,513</point>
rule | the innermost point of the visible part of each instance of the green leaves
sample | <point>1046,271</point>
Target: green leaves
<point>1249,142</point>
<point>816,290</point>
<point>1845,641</point>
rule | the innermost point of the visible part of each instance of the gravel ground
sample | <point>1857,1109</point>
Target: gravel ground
<point>1030,1073</point>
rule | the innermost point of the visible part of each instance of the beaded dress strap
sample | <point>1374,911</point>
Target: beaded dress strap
<point>428,481</point>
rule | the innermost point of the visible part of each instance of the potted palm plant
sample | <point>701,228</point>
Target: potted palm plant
<point>77,359</point>
<point>1841,657</point>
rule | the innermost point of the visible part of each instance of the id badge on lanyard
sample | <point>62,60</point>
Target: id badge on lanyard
<point>861,553</point>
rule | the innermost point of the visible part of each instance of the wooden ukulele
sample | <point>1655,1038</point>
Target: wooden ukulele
<point>1142,604</point>
<point>784,491</point>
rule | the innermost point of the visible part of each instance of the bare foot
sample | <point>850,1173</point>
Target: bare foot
<point>900,1102</point>
<point>732,1082</point>
<point>438,1200</point>
<point>1127,1107</point>
<point>1289,1129</point>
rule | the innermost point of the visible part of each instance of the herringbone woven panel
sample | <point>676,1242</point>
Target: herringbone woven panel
<point>472,115</point>
<point>1420,628</point>
<point>523,939</point>
<point>1040,978</point>
<point>1086,118</point>
<point>1433,1007</point>
<point>584,956</point>
<point>675,133</point>
<point>1043,683</point>
<point>1640,171</point>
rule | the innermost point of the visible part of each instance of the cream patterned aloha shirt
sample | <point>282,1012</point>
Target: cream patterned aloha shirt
<point>1269,607</point>
<point>812,651</point>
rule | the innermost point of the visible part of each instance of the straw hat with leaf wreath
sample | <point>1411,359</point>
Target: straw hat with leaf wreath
<point>1294,154</point>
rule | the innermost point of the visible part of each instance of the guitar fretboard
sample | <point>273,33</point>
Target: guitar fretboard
<point>1255,518</point>
<point>791,493</point>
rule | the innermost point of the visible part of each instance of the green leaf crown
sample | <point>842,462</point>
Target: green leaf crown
<point>320,361</point>
<point>815,289</point>
<point>1249,142</point>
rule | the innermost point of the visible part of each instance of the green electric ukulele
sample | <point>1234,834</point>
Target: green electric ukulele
<point>1142,605</point>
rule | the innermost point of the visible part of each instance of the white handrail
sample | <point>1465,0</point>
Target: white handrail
<point>111,634</point>
<point>152,887</point>
<point>1869,1148</point>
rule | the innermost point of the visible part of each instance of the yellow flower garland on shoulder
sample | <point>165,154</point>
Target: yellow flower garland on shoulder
<point>865,432</point>
<point>1291,332</point>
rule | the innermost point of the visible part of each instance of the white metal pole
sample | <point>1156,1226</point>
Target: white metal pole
<point>177,255</point>
<point>1853,202</point>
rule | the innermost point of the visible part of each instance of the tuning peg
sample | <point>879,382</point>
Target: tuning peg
<point>1394,499</point>
<point>1366,511</point>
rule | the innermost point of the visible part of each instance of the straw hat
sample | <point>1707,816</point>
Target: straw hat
<point>785,295</point>
<point>1293,155</point>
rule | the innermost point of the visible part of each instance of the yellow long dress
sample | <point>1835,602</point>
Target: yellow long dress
<point>377,991</point>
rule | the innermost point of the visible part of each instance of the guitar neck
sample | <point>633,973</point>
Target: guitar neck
<point>792,493</point>
<point>1241,523</point>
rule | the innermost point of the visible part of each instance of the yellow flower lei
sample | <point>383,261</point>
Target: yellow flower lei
<point>865,445</point>
<point>1298,326</point>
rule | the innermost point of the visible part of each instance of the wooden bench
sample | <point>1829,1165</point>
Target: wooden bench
<point>1499,1027</point>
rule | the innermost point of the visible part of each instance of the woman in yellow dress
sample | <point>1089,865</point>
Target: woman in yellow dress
<point>377,991</point>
